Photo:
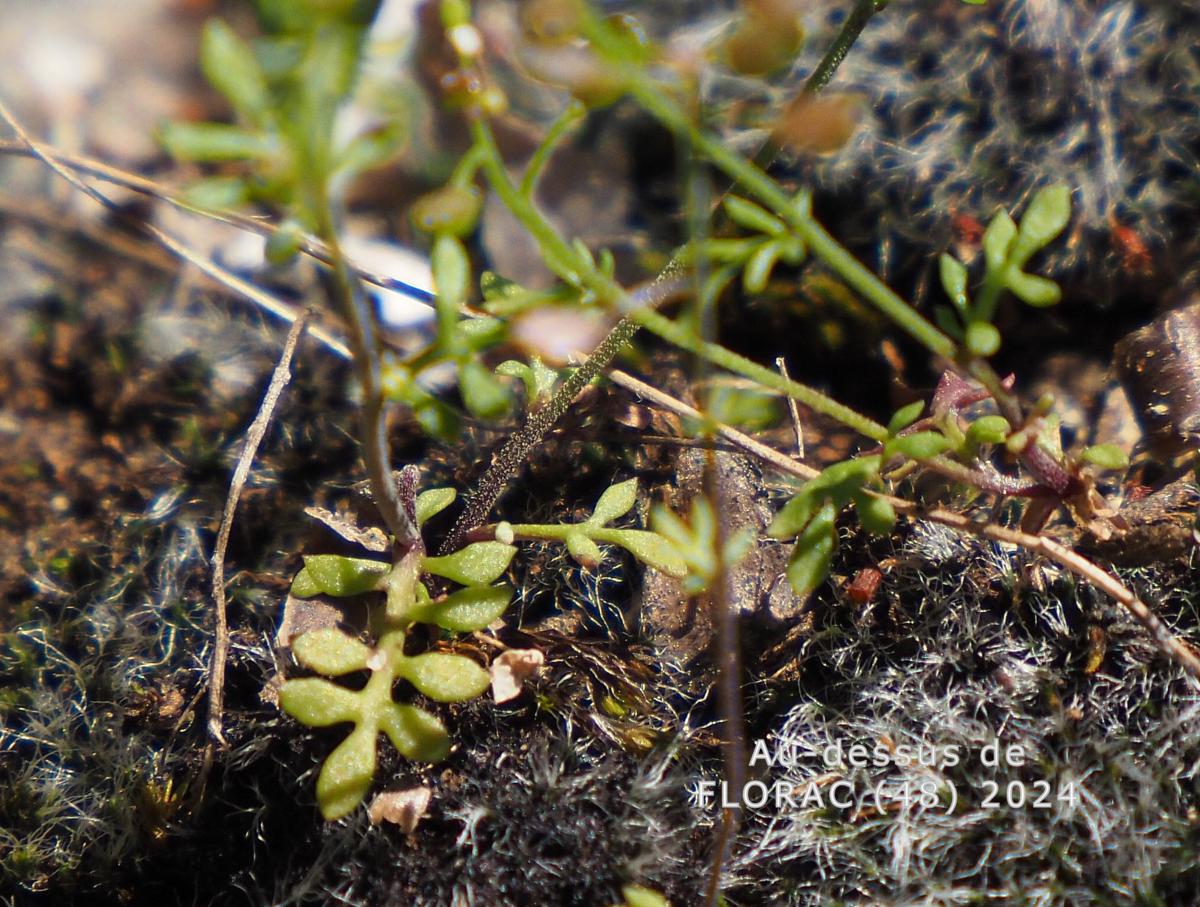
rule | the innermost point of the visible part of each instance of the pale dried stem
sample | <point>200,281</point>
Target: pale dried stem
<point>254,435</point>
<point>227,279</point>
<point>1170,645</point>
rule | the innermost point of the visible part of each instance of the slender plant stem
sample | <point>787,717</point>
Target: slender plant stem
<point>718,355</point>
<point>511,457</point>
<point>559,255</point>
<point>571,115</point>
<point>851,29</point>
<point>346,290</point>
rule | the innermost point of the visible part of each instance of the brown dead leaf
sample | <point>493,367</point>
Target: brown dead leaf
<point>511,669</point>
<point>404,808</point>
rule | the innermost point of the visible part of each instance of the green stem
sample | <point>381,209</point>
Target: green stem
<point>464,171</point>
<point>559,255</point>
<point>799,217</point>
<point>346,290</point>
<point>727,359</point>
<point>572,114</point>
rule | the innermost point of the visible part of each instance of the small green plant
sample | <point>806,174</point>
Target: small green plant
<point>1006,250</point>
<point>417,734</point>
<point>285,92</point>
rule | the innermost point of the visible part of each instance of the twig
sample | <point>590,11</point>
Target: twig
<point>254,436</point>
<point>745,442</point>
<point>793,409</point>
<point>1162,637</point>
<point>310,245</point>
<point>727,653</point>
<point>231,281</point>
<point>1166,642</point>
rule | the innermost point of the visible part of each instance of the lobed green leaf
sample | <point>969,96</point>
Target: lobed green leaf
<point>1033,290</point>
<point>444,677</point>
<point>331,652</point>
<point>651,549</point>
<point>432,502</point>
<point>1045,217</point>
<point>905,416</point>
<point>1105,456</point>
<point>920,445</point>
<point>747,214</point>
<point>988,430</point>
<point>954,281</point>
<point>319,703</point>
<point>415,733</point>
<point>347,773</point>
<point>230,65</point>
<point>876,514</point>
<point>585,552</point>
<point>485,397</point>
<point>809,564</point>
<point>616,501</point>
<point>466,610</point>
<point>475,565</point>
<point>997,240</point>
<point>340,576</point>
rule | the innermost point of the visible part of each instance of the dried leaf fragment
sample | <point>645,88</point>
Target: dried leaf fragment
<point>404,808</point>
<point>511,669</point>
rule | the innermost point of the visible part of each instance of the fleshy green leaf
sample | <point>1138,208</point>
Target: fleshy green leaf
<point>484,396</point>
<point>304,586</point>
<point>982,338</point>
<point>650,548</point>
<point>445,677</point>
<point>215,142</point>
<point>759,266</point>
<point>838,483</point>
<point>451,271</point>
<point>616,501</point>
<point>480,333</point>
<point>492,286</point>
<point>920,445</point>
<point>341,576</point>
<point>586,552</point>
<point>283,245</point>
<point>945,319</point>
<point>809,564</point>
<point>415,733</point>
<point>330,652</point>
<point>1106,456</point>
<point>451,209</point>
<point>319,703</point>
<point>370,149</point>
<point>1033,290</point>
<point>475,565</point>
<point>954,281</point>
<point>467,610</point>
<point>877,515</point>
<point>216,193</point>
<point>794,515</point>
<point>347,773</point>
<point>432,502</point>
<point>905,416</point>
<point>230,65</point>
<point>639,896</point>
<point>1046,216</point>
<point>998,239</point>
<point>988,430</point>
<point>749,215</point>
